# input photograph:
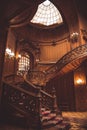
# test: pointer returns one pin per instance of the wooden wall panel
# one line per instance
(54, 53)
(81, 90)
(9, 63)
(65, 91)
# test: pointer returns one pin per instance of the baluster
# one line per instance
(38, 108)
(55, 107)
(38, 103)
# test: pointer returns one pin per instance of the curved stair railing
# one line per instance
(73, 55)
(27, 99)
(42, 77)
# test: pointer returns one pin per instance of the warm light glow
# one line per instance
(74, 37)
(79, 81)
(19, 56)
(75, 34)
(9, 53)
(47, 14)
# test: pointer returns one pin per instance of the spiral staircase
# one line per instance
(25, 103)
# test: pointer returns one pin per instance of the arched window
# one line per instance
(47, 14)
(23, 64)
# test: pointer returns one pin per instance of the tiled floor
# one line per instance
(78, 121)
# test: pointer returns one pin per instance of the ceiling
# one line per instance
(18, 14)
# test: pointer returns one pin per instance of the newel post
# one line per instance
(55, 107)
(38, 108)
(39, 101)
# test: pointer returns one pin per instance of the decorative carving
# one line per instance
(46, 100)
(74, 54)
(37, 77)
(19, 99)
(28, 102)
(84, 33)
(15, 94)
(74, 37)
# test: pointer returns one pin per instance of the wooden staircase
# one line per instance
(51, 119)
(28, 105)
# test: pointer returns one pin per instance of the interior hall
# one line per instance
(43, 65)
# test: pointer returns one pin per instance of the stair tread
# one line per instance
(43, 109)
(46, 112)
(51, 122)
(52, 114)
(57, 118)
(63, 125)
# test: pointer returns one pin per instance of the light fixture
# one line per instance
(9, 53)
(79, 81)
(74, 37)
(19, 56)
(79, 78)
(84, 33)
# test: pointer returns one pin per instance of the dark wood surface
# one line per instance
(78, 121)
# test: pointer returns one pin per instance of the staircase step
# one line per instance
(46, 118)
(52, 114)
(43, 109)
(46, 112)
(58, 118)
(51, 123)
(64, 125)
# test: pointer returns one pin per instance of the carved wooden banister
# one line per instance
(47, 94)
(26, 78)
(15, 95)
(13, 78)
(26, 101)
(37, 77)
(20, 81)
(22, 101)
(46, 100)
(19, 97)
(75, 54)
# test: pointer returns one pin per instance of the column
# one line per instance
(3, 39)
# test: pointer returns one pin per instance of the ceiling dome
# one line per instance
(47, 14)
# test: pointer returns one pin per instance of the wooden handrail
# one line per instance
(78, 52)
(47, 94)
(43, 98)
(20, 89)
(25, 78)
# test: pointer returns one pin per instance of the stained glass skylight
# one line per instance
(47, 14)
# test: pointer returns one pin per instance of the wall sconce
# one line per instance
(79, 79)
(74, 37)
(19, 56)
(9, 53)
(84, 33)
